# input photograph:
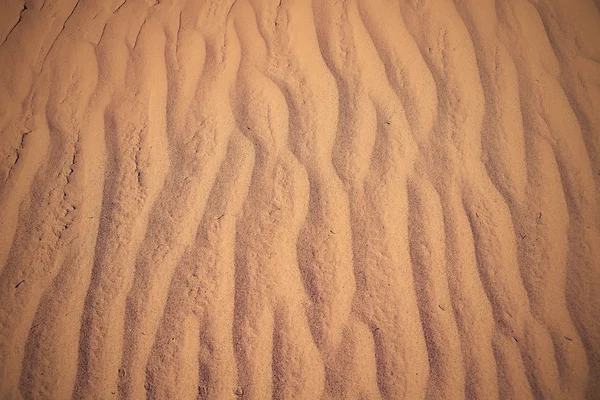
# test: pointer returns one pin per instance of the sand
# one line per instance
(288, 199)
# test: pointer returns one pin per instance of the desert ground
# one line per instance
(296, 199)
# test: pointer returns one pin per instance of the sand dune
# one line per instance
(293, 199)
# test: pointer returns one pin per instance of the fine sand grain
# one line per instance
(296, 199)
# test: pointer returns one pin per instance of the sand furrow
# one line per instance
(497, 258)
(195, 160)
(453, 124)
(575, 55)
(196, 327)
(130, 125)
(57, 201)
(58, 317)
(569, 158)
(406, 70)
(386, 185)
(24, 138)
(427, 247)
(266, 255)
(318, 199)
(324, 248)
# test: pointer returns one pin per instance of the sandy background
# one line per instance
(289, 199)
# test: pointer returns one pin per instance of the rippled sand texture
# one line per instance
(260, 199)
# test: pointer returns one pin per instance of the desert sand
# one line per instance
(298, 199)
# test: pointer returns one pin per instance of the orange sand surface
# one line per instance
(300, 199)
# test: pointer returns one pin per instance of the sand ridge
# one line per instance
(300, 199)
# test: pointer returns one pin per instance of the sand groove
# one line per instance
(300, 199)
